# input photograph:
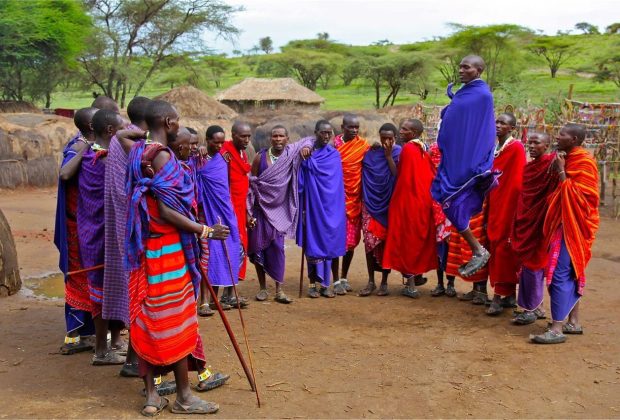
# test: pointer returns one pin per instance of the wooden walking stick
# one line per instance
(229, 330)
(85, 270)
(245, 335)
(303, 245)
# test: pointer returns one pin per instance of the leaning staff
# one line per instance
(245, 335)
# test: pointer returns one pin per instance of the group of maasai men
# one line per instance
(148, 219)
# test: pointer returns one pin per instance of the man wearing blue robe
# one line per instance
(467, 141)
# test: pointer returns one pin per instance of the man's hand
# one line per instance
(220, 232)
(388, 146)
(560, 161)
(227, 157)
(202, 151)
(251, 221)
(305, 152)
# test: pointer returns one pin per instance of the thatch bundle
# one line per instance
(193, 103)
(266, 90)
(18, 106)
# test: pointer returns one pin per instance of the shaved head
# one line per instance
(415, 125)
(104, 102)
(83, 118)
(475, 61)
(239, 126)
(349, 118)
(577, 130)
(543, 137)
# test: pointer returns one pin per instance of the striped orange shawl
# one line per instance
(574, 206)
(351, 154)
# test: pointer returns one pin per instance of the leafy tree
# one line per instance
(351, 70)
(392, 72)
(39, 41)
(217, 65)
(308, 67)
(587, 28)
(266, 45)
(153, 29)
(609, 67)
(614, 28)
(449, 69)
(496, 44)
(554, 50)
(324, 36)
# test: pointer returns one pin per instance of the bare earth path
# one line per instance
(347, 357)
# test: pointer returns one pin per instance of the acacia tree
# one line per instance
(266, 44)
(308, 67)
(39, 41)
(150, 29)
(391, 71)
(494, 43)
(554, 50)
(609, 68)
(587, 28)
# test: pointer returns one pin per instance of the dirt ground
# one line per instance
(347, 357)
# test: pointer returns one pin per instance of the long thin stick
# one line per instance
(229, 330)
(85, 270)
(303, 245)
(245, 335)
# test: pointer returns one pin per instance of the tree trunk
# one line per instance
(10, 281)
(124, 94)
(48, 99)
(554, 70)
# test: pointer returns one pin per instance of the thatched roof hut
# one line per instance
(194, 103)
(269, 93)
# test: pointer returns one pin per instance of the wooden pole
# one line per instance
(245, 335)
(229, 330)
(85, 270)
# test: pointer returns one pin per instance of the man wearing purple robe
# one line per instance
(321, 230)
(273, 202)
(115, 278)
(215, 207)
(467, 140)
(91, 232)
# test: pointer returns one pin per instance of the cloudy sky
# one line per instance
(401, 21)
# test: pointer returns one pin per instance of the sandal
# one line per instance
(110, 358)
(225, 306)
(419, 280)
(214, 381)
(339, 288)
(450, 291)
(367, 291)
(570, 328)
(74, 345)
(197, 407)
(495, 309)
(346, 285)
(327, 292)
(480, 298)
(205, 310)
(313, 291)
(163, 403)
(469, 296)
(383, 290)
(410, 292)
(129, 370)
(282, 298)
(121, 350)
(475, 264)
(525, 318)
(438, 291)
(540, 313)
(232, 301)
(549, 337)
(509, 302)
(262, 295)
(163, 388)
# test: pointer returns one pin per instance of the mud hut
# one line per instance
(274, 94)
(10, 282)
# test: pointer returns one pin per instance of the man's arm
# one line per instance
(127, 138)
(69, 170)
(255, 165)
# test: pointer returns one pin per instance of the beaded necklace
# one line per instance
(272, 157)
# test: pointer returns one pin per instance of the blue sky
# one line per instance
(401, 21)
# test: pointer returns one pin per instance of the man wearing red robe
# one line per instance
(504, 264)
(570, 227)
(352, 149)
(526, 238)
(410, 245)
(234, 152)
